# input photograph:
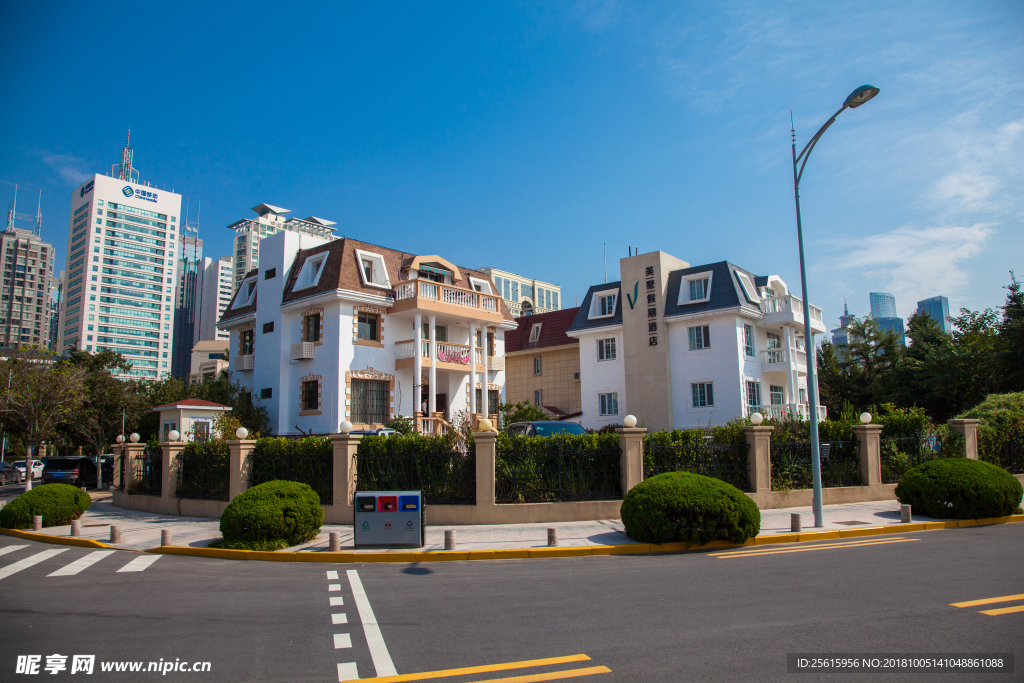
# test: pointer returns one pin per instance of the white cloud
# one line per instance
(915, 263)
(68, 167)
(597, 15)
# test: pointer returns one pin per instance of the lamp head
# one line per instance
(756, 419)
(345, 427)
(860, 96)
(630, 421)
(174, 435)
(241, 432)
(134, 437)
(119, 439)
(865, 418)
(484, 425)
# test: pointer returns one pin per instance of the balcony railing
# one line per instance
(788, 304)
(433, 291)
(244, 362)
(446, 351)
(788, 411)
(773, 357)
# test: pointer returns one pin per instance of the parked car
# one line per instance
(37, 468)
(10, 474)
(381, 431)
(76, 470)
(544, 428)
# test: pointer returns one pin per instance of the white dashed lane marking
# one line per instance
(336, 602)
(140, 563)
(29, 562)
(342, 640)
(82, 563)
(374, 639)
(339, 618)
(334, 586)
(332, 576)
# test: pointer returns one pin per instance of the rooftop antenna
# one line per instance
(13, 216)
(125, 170)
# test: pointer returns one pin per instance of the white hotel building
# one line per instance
(121, 270)
(326, 331)
(680, 346)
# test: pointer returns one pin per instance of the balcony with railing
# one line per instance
(780, 310)
(787, 411)
(439, 298)
(774, 360)
(450, 355)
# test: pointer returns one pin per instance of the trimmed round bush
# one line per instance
(958, 488)
(57, 503)
(276, 514)
(681, 506)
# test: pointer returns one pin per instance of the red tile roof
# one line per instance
(554, 326)
(194, 402)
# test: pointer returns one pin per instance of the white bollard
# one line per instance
(449, 539)
(794, 522)
(76, 527)
(115, 534)
(905, 516)
(335, 542)
(37, 523)
(165, 537)
(552, 538)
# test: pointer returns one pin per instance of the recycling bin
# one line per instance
(389, 519)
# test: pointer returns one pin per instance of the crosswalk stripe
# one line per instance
(140, 563)
(987, 601)
(29, 561)
(82, 563)
(11, 549)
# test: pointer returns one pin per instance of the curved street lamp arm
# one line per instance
(810, 145)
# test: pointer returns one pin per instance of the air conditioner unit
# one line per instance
(576, 376)
(244, 362)
(302, 350)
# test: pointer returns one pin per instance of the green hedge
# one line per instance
(958, 488)
(1001, 419)
(271, 516)
(680, 506)
(57, 503)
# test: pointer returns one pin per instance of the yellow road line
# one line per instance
(477, 669)
(775, 549)
(805, 550)
(987, 601)
(550, 676)
(1002, 610)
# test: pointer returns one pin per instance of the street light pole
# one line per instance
(856, 98)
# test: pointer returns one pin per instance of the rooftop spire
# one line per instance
(125, 169)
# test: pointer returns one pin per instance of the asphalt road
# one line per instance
(684, 617)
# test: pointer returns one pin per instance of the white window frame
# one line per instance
(707, 403)
(306, 279)
(479, 285)
(753, 341)
(250, 294)
(684, 288)
(538, 366)
(692, 337)
(379, 269)
(602, 404)
(595, 307)
(748, 287)
(602, 348)
(535, 333)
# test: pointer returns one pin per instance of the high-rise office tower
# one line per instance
(122, 245)
(883, 305)
(186, 299)
(27, 275)
(270, 219)
(938, 308)
(840, 337)
(215, 295)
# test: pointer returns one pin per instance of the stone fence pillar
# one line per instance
(171, 466)
(486, 450)
(240, 466)
(631, 441)
(969, 428)
(130, 451)
(869, 451)
(759, 458)
(343, 499)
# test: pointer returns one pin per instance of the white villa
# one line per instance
(327, 330)
(681, 346)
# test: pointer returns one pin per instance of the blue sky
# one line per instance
(525, 136)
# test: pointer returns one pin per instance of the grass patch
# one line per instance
(266, 545)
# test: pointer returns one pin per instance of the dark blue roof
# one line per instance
(726, 291)
(582, 323)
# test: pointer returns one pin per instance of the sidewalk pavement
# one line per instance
(141, 530)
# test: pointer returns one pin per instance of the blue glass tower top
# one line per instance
(883, 305)
(938, 308)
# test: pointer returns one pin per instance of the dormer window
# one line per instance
(372, 271)
(535, 333)
(480, 285)
(748, 287)
(695, 288)
(250, 290)
(311, 271)
(602, 305)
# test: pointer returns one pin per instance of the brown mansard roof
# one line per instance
(232, 312)
(554, 326)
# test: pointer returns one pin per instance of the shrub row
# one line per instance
(57, 503)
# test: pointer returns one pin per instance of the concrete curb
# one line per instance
(350, 556)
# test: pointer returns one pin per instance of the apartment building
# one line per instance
(332, 330)
(25, 309)
(542, 364)
(525, 296)
(680, 346)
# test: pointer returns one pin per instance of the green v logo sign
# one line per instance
(636, 290)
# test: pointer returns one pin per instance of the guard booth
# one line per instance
(390, 519)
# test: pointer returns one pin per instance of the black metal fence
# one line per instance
(727, 462)
(900, 453)
(791, 464)
(203, 471)
(307, 463)
(1009, 456)
(147, 473)
(555, 472)
(446, 477)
